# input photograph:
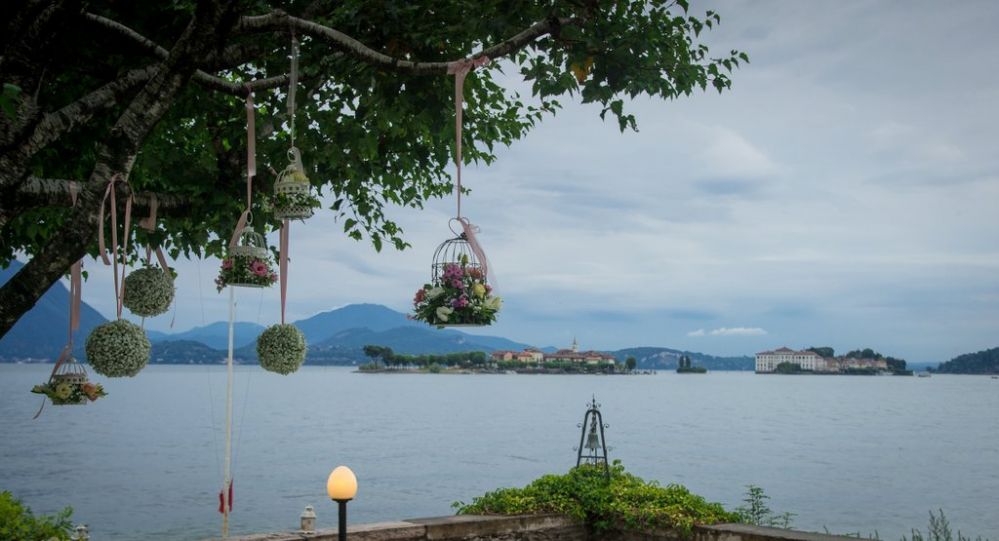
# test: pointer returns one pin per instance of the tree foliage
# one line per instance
(18, 523)
(981, 362)
(153, 92)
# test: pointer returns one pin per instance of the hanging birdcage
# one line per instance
(248, 264)
(251, 244)
(458, 294)
(455, 252)
(70, 386)
(293, 199)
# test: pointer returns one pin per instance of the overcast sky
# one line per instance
(845, 192)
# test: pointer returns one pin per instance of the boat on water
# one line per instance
(923, 375)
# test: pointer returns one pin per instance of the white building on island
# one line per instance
(767, 361)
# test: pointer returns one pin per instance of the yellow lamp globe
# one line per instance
(342, 484)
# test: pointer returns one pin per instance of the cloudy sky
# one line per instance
(844, 193)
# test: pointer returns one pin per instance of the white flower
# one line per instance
(435, 292)
(494, 303)
(443, 312)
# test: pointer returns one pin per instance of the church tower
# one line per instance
(575, 345)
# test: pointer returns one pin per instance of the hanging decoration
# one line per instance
(458, 294)
(281, 348)
(149, 291)
(68, 383)
(248, 263)
(293, 198)
(117, 348)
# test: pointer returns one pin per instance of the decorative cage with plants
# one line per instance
(293, 198)
(459, 294)
(118, 349)
(248, 263)
(148, 291)
(281, 348)
(69, 385)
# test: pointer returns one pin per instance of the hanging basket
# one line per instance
(117, 349)
(69, 386)
(148, 291)
(458, 294)
(293, 199)
(281, 348)
(248, 264)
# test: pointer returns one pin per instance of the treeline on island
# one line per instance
(894, 365)
(384, 359)
(981, 362)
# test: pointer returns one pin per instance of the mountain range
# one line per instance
(334, 337)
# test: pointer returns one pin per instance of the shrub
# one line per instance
(626, 502)
(17, 523)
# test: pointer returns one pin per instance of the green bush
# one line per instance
(626, 502)
(17, 523)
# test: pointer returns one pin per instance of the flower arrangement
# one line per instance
(460, 296)
(281, 348)
(245, 271)
(63, 393)
(118, 348)
(148, 291)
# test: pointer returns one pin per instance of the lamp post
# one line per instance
(342, 487)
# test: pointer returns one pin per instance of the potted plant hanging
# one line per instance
(281, 348)
(117, 349)
(69, 386)
(248, 263)
(293, 198)
(458, 295)
(148, 291)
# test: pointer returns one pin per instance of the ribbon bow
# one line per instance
(109, 193)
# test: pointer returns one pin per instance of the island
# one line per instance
(823, 361)
(685, 367)
(528, 361)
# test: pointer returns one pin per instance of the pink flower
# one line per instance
(226, 264)
(259, 268)
(420, 295)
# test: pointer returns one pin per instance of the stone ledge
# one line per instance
(748, 532)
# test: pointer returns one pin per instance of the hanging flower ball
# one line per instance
(148, 291)
(117, 349)
(281, 348)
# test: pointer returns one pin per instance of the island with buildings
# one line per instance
(822, 360)
(528, 361)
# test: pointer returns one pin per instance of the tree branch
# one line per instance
(204, 79)
(58, 192)
(279, 20)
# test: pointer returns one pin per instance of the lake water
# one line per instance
(850, 454)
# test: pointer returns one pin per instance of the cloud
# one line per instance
(729, 331)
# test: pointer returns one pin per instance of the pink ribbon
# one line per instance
(251, 170)
(109, 192)
(460, 69)
(473, 242)
(283, 265)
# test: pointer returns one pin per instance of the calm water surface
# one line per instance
(851, 454)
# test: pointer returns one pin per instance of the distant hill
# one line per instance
(42, 332)
(374, 317)
(214, 335)
(657, 358)
(982, 362)
(185, 352)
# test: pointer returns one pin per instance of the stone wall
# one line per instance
(532, 528)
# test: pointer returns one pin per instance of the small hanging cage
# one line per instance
(73, 374)
(292, 190)
(455, 251)
(251, 244)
